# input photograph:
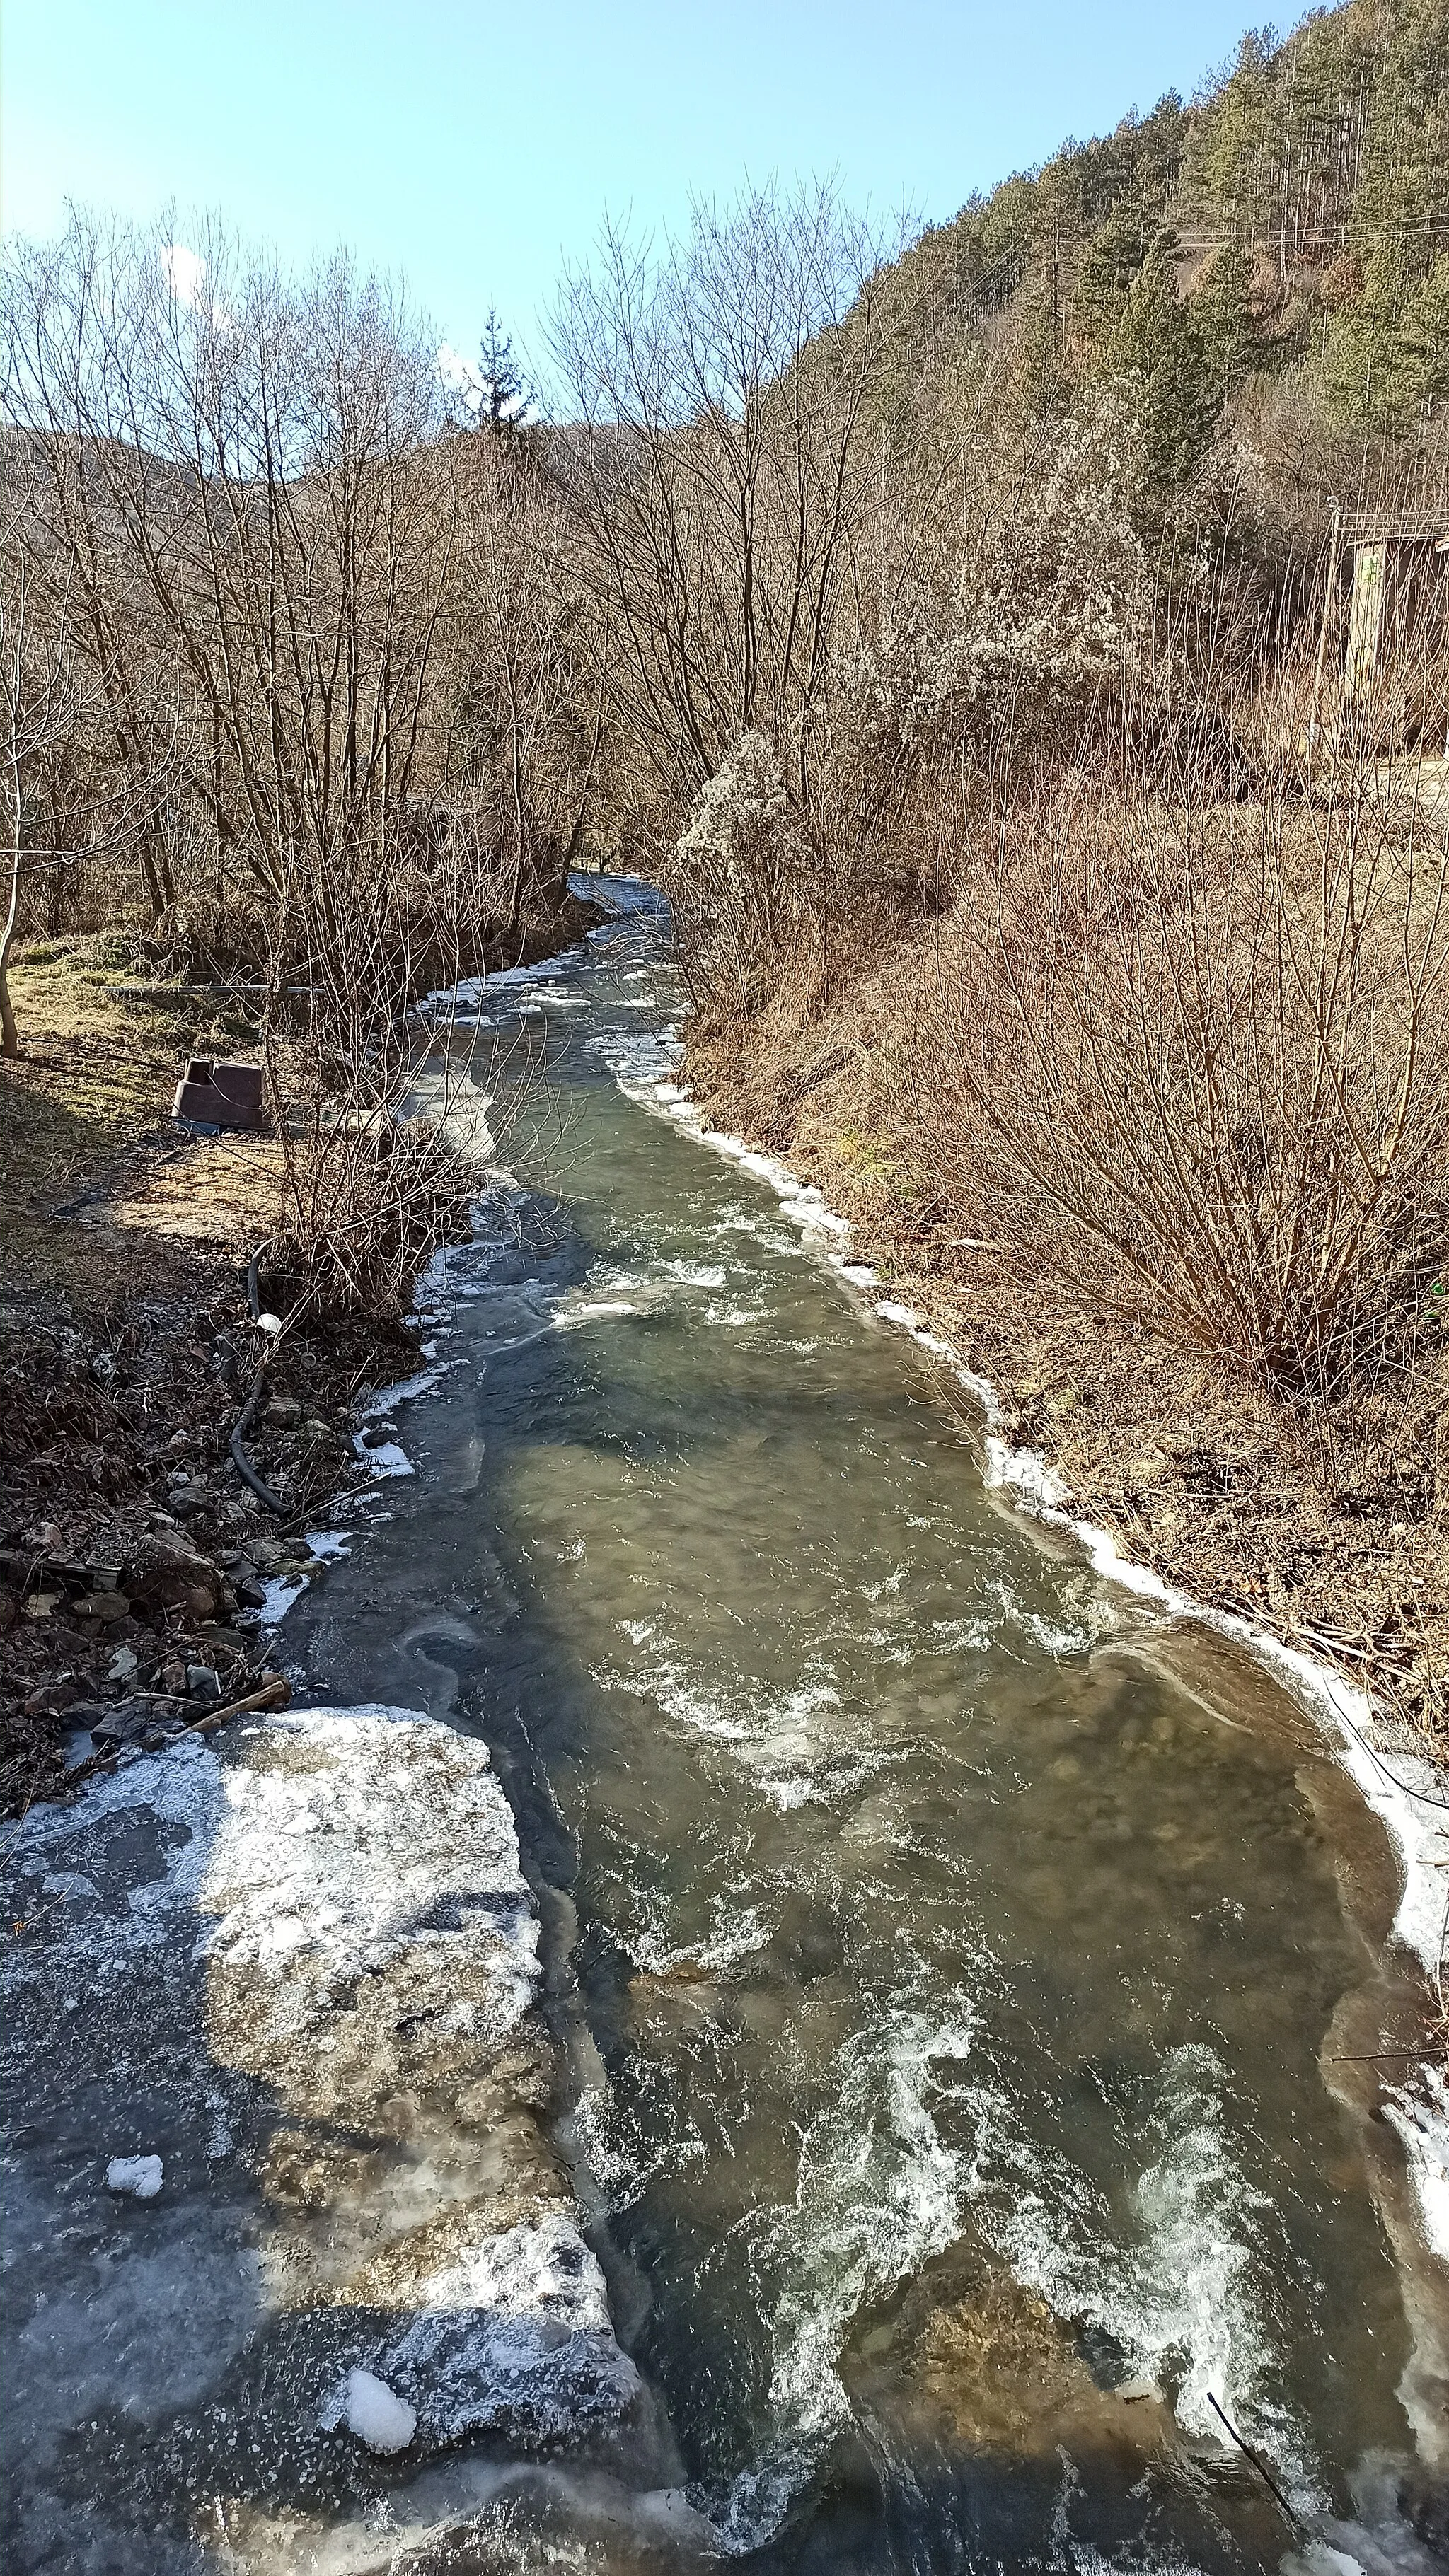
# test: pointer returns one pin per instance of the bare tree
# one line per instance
(243, 486)
(527, 711)
(724, 452)
(38, 706)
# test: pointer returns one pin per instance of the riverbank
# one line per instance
(1316, 1531)
(932, 1971)
(134, 1558)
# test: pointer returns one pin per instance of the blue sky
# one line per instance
(471, 147)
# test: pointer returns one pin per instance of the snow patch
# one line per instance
(344, 1891)
(384, 1459)
(367, 1839)
(471, 990)
(279, 1592)
(328, 1544)
(138, 2175)
(368, 2407)
(406, 1390)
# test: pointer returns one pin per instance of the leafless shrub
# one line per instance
(1197, 1068)
(319, 689)
(325, 625)
(38, 691)
(374, 1175)
(723, 462)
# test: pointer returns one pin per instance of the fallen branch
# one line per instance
(1249, 2454)
(273, 1694)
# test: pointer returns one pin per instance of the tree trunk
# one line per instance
(9, 1037)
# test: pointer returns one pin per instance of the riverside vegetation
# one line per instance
(962, 629)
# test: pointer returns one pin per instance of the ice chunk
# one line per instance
(370, 2410)
(139, 2175)
(328, 1543)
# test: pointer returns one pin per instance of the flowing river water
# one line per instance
(946, 1958)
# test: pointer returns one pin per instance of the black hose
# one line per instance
(254, 1268)
(242, 1462)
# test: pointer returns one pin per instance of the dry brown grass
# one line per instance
(85, 1127)
(125, 1340)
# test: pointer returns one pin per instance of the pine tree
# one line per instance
(1233, 156)
(1223, 315)
(1157, 349)
(1110, 263)
(1424, 339)
(505, 396)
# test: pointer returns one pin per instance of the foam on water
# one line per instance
(879, 2193)
(1178, 2289)
(792, 1743)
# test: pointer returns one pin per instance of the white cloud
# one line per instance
(460, 375)
(185, 274)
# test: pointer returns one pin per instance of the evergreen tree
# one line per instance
(505, 396)
(1233, 155)
(1157, 349)
(1110, 264)
(1042, 299)
(1424, 339)
(1223, 316)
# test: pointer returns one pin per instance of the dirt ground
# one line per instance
(133, 1558)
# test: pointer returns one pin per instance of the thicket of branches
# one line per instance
(317, 629)
(288, 669)
(892, 632)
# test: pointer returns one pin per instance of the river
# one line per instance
(945, 1956)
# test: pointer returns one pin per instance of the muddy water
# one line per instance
(943, 1961)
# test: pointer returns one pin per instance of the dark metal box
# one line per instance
(222, 1095)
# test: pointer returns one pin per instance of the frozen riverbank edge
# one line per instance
(1402, 1788)
(291, 1980)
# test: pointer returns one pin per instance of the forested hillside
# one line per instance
(1286, 230)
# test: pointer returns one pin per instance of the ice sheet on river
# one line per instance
(301, 1971)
